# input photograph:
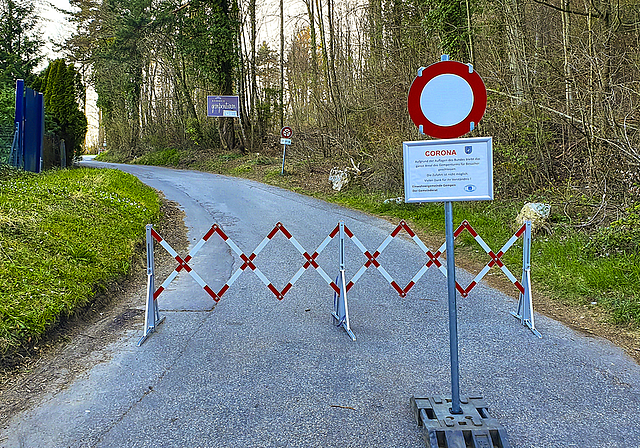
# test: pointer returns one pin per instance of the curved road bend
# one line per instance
(257, 372)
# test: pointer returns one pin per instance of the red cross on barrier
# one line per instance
(183, 264)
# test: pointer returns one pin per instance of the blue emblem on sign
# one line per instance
(468, 149)
(469, 188)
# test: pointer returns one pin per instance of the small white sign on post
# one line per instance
(448, 170)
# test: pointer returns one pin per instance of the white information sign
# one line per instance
(285, 141)
(459, 169)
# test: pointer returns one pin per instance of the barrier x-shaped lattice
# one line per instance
(152, 318)
(434, 258)
(248, 261)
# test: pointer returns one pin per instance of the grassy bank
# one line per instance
(64, 235)
(595, 269)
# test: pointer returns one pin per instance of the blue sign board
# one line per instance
(29, 125)
(223, 106)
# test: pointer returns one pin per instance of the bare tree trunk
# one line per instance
(281, 63)
(566, 47)
(375, 32)
(335, 85)
(606, 61)
(314, 45)
(326, 59)
(591, 51)
(472, 53)
(516, 46)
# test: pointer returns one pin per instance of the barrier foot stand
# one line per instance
(525, 304)
(473, 428)
(525, 307)
(152, 314)
(152, 318)
(341, 308)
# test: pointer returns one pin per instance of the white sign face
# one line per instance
(285, 141)
(459, 169)
(446, 90)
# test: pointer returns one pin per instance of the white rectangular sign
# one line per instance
(458, 169)
(285, 141)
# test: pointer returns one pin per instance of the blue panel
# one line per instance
(19, 100)
(19, 121)
(33, 131)
(40, 108)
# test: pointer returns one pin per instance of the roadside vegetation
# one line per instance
(64, 236)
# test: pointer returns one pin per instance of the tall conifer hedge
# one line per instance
(63, 91)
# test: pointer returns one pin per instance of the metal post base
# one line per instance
(345, 326)
(527, 323)
(474, 428)
(150, 330)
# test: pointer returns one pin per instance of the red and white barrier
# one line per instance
(525, 307)
(248, 260)
(372, 259)
(496, 258)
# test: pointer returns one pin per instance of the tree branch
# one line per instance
(557, 112)
(558, 8)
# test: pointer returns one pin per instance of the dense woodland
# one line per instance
(562, 77)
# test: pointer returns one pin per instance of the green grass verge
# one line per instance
(167, 157)
(64, 235)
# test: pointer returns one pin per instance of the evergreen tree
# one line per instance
(63, 91)
(19, 44)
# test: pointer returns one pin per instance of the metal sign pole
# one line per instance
(284, 152)
(453, 312)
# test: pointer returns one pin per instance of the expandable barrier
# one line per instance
(340, 286)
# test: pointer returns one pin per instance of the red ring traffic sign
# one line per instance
(448, 112)
(286, 132)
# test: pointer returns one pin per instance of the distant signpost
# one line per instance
(285, 139)
(286, 132)
(223, 106)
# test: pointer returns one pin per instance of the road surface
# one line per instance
(257, 372)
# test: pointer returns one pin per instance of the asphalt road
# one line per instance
(258, 372)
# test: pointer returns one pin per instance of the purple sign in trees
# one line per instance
(223, 106)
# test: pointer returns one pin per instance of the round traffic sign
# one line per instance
(286, 132)
(447, 99)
